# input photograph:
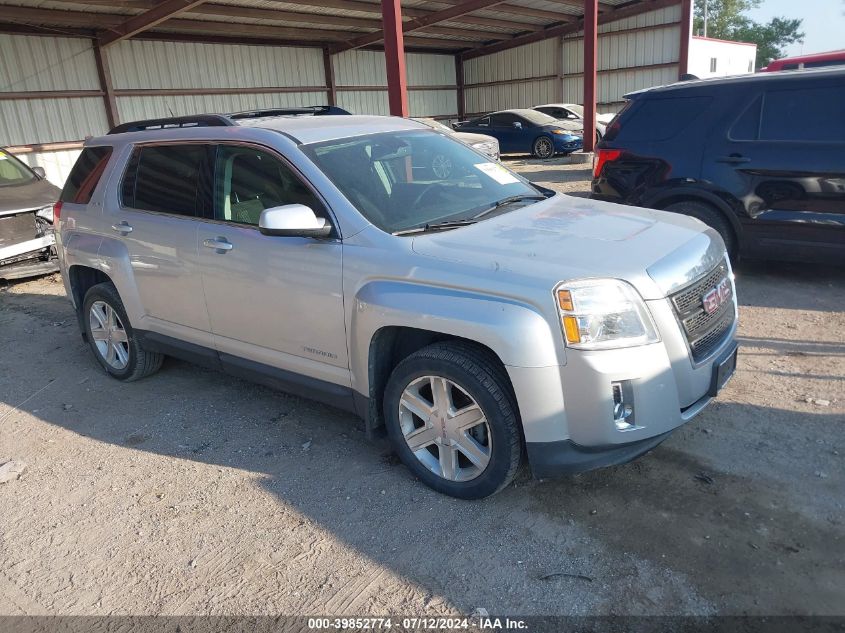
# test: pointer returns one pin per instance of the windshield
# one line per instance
(437, 125)
(12, 171)
(577, 109)
(536, 117)
(409, 179)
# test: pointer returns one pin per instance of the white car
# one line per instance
(573, 114)
(481, 142)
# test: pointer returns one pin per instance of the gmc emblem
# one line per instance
(716, 297)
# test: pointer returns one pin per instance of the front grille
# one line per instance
(704, 332)
(15, 229)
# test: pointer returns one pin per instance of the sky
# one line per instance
(823, 26)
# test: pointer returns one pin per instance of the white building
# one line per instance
(709, 57)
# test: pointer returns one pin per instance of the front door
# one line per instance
(275, 303)
(783, 159)
(164, 190)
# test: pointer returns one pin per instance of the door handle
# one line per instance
(733, 159)
(221, 245)
(123, 228)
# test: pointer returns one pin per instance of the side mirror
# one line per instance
(293, 220)
(39, 171)
(517, 125)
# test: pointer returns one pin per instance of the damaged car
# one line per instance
(27, 244)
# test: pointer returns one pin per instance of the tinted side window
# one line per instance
(661, 119)
(808, 114)
(747, 126)
(503, 120)
(85, 175)
(168, 179)
(249, 180)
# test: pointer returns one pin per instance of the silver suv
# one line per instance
(478, 318)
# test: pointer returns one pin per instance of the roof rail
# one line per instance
(321, 110)
(198, 120)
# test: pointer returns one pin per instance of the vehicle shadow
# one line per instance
(778, 284)
(714, 521)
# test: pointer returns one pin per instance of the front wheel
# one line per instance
(452, 420)
(543, 147)
(112, 338)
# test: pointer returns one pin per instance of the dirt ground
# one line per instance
(191, 492)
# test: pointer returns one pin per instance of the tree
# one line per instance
(726, 20)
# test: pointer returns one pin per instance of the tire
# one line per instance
(115, 347)
(481, 417)
(543, 147)
(712, 217)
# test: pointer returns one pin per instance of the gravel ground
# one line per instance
(191, 492)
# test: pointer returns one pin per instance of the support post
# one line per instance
(104, 74)
(459, 82)
(559, 69)
(591, 14)
(394, 53)
(686, 35)
(331, 86)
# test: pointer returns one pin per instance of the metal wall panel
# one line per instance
(153, 64)
(631, 60)
(134, 108)
(367, 68)
(513, 95)
(46, 63)
(531, 60)
(24, 122)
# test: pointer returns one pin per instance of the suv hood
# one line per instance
(26, 197)
(566, 237)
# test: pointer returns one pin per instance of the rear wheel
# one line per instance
(451, 418)
(543, 147)
(111, 337)
(712, 217)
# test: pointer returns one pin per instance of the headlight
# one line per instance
(564, 132)
(604, 314)
(46, 213)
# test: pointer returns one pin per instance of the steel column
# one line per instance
(331, 85)
(394, 54)
(104, 75)
(459, 82)
(686, 34)
(591, 16)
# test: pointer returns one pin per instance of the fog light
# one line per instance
(623, 408)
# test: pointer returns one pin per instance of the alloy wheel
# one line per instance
(109, 335)
(441, 166)
(543, 148)
(445, 428)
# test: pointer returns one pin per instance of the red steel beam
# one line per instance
(147, 20)
(104, 74)
(394, 55)
(591, 35)
(421, 22)
(686, 34)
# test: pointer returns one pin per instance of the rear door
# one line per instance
(274, 302)
(783, 159)
(165, 188)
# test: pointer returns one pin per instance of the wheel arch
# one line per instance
(391, 320)
(668, 197)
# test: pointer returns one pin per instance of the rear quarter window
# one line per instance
(661, 119)
(85, 175)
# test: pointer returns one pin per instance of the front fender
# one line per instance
(517, 333)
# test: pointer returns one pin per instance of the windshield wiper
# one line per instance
(437, 226)
(506, 201)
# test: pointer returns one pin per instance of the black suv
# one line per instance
(760, 158)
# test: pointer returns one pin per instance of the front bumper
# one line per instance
(568, 412)
(567, 145)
